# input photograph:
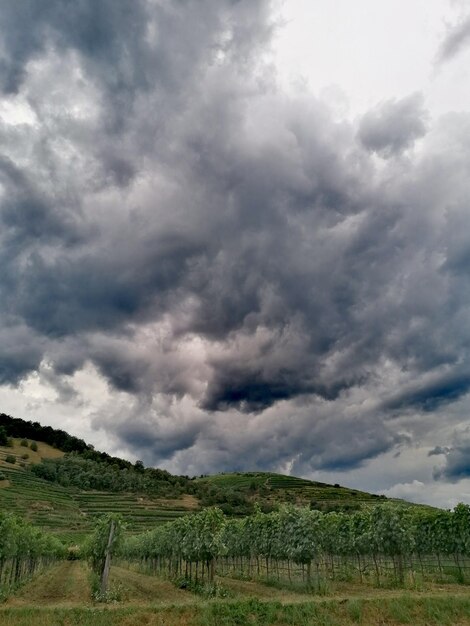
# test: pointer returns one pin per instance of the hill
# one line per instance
(62, 490)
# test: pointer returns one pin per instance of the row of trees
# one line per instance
(85, 472)
(386, 540)
(16, 427)
(24, 550)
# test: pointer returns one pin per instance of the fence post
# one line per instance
(107, 560)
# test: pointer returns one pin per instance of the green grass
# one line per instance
(387, 612)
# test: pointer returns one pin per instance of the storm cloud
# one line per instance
(255, 288)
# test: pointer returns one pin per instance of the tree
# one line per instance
(3, 436)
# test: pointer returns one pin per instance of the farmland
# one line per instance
(61, 596)
(306, 553)
(70, 513)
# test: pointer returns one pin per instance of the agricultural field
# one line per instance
(177, 560)
(61, 596)
(70, 513)
(280, 488)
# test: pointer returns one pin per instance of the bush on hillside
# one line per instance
(34, 446)
(11, 459)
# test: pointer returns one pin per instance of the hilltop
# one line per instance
(61, 484)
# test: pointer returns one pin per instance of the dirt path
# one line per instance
(66, 584)
(137, 588)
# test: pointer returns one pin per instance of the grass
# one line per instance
(451, 611)
(44, 451)
(61, 597)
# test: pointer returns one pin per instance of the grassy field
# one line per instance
(61, 596)
(44, 451)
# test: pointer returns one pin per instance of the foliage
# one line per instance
(23, 550)
(10, 458)
(19, 428)
(74, 470)
(3, 436)
(382, 537)
(96, 544)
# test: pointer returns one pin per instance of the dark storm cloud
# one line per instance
(437, 450)
(394, 125)
(217, 250)
(431, 395)
(456, 39)
(457, 459)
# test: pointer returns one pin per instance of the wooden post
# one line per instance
(107, 561)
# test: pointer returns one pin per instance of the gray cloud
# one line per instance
(457, 463)
(394, 126)
(219, 252)
(457, 37)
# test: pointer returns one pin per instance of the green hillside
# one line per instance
(70, 513)
(275, 488)
(64, 490)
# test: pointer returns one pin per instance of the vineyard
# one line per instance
(24, 551)
(208, 556)
(84, 529)
(384, 545)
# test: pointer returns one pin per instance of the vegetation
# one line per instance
(384, 544)
(99, 548)
(24, 550)
(86, 473)
(3, 436)
(71, 513)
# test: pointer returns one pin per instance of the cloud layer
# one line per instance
(259, 284)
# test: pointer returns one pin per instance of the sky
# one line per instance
(234, 235)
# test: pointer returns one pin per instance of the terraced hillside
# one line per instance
(280, 488)
(70, 513)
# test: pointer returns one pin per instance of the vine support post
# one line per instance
(107, 560)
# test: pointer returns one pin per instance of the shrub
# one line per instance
(24, 443)
(34, 446)
(25, 456)
(2, 476)
(10, 459)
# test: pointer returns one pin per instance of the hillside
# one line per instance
(63, 491)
